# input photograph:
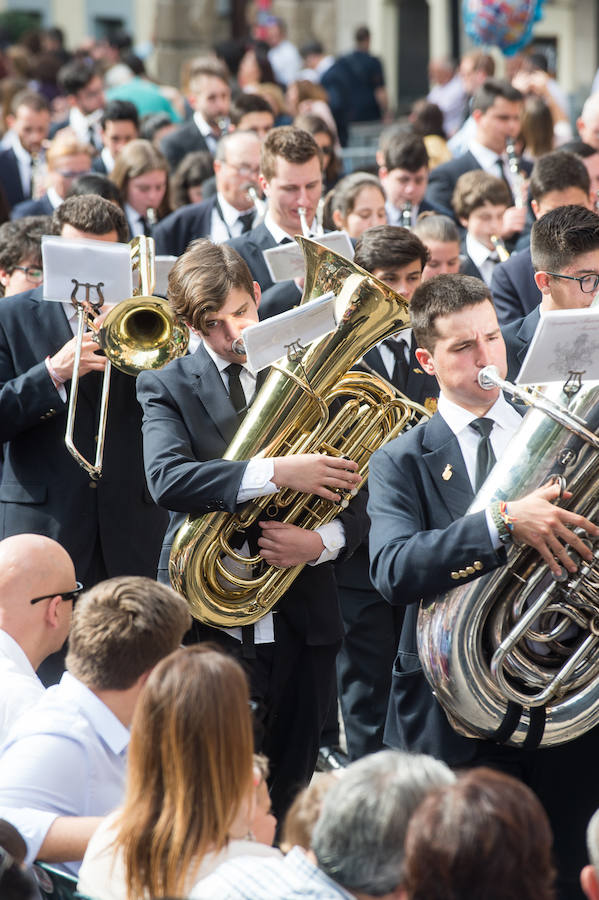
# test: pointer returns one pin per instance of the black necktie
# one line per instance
(401, 366)
(247, 220)
(236, 392)
(503, 175)
(146, 226)
(485, 457)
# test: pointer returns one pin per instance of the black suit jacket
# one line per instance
(185, 139)
(517, 336)
(419, 387)
(279, 298)
(41, 207)
(173, 233)
(443, 178)
(251, 247)
(467, 264)
(418, 536)
(10, 178)
(515, 293)
(43, 489)
(188, 423)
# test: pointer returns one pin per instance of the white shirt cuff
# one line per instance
(62, 391)
(493, 532)
(332, 536)
(257, 480)
(33, 824)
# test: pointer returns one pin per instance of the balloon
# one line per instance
(506, 24)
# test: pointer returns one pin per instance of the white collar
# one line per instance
(13, 650)
(222, 364)
(477, 252)
(203, 126)
(107, 159)
(230, 213)
(105, 723)
(24, 156)
(486, 157)
(277, 232)
(458, 418)
(54, 197)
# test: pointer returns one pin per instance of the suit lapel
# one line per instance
(445, 463)
(208, 386)
(374, 359)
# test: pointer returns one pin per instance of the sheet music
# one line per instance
(287, 260)
(566, 340)
(86, 261)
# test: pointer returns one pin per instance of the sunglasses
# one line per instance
(66, 595)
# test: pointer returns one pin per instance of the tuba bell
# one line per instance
(291, 415)
(514, 655)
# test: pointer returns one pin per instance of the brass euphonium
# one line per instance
(291, 415)
(514, 655)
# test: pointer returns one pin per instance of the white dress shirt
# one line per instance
(395, 214)
(506, 421)
(489, 161)
(484, 259)
(206, 132)
(24, 162)
(228, 225)
(66, 756)
(21, 687)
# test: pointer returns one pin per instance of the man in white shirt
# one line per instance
(67, 158)
(209, 96)
(63, 764)
(37, 590)
(21, 160)
(283, 56)
(422, 542)
(119, 125)
(84, 90)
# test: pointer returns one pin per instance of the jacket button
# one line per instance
(463, 573)
(93, 484)
(477, 565)
(455, 575)
(470, 570)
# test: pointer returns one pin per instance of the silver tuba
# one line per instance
(514, 655)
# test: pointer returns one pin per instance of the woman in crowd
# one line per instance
(440, 236)
(141, 174)
(190, 174)
(191, 786)
(357, 203)
(487, 836)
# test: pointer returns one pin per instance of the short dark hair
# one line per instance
(153, 122)
(580, 148)
(443, 295)
(557, 171)
(92, 214)
(21, 241)
(388, 246)
(201, 279)
(362, 34)
(290, 143)
(95, 183)
(407, 152)
(487, 835)
(561, 235)
(193, 170)
(490, 90)
(74, 76)
(31, 99)
(120, 111)
(121, 628)
(476, 188)
(247, 103)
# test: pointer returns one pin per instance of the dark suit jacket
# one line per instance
(41, 207)
(252, 246)
(185, 139)
(279, 298)
(173, 233)
(98, 165)
(515, 293)
(188, 423)
(517, 336)
(467, 264)
(43, 488)
(10, 178)
(419, 386)
(443, 178)
(418, 536)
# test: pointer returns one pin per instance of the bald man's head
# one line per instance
(32, 565)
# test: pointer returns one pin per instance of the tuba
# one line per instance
(514, 655)
(291, 415)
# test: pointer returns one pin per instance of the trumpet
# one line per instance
(304, 222)
(139, 333)
(502, 251)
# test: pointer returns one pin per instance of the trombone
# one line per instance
(139, 333)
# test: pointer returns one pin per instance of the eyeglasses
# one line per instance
(32, 273)
(66, 173)
(588, 283)
(245, 171)
(66, 595)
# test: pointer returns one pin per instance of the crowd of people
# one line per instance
(164, 756)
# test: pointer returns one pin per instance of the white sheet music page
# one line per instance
(67, 260)
(287, 260)
(270, 340)
(566, 340)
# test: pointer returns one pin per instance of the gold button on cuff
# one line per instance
(455, 575)
(477, 565)
(470, 570)
(463, 573)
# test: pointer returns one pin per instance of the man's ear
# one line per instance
(589, 882)
(425, 359)
(542, 282)
(263, 184)
(257, 293)
(383, 172)
(52, 616)
(4, 277)
(338, 219)
(535, 208)
(463, 222)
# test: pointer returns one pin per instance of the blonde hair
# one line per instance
(66, 143)
(304, 812)
(189, 770)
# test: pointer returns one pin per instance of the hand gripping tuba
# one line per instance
(514, 655)
(291, 415)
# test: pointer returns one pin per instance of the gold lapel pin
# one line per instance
(447, 472)
(418, 371)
